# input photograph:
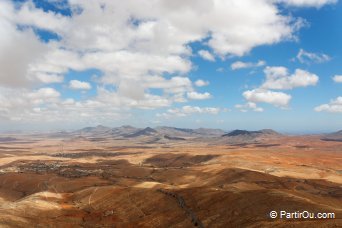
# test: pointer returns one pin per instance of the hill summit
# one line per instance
(251, 133)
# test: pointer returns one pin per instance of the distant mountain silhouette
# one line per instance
(241, 132)
(144, 132)
(209, 131)
(186, 132)
(94, 130)
(103, 131)
(163, 133)
(244, 136)
(7, 139)
(339, 133)
(251, 133)
(59, 134)
(123, 130)
(173, 138)
(336, 136)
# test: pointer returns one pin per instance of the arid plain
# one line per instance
(168, 177)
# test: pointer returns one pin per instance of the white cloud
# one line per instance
(231, 27)
(188, 110)
(201, 83)
(240, 65)
(46, 105)
(28, 14)
(175, 84)
(17, 104)
(278, 99)
(249, 106)
(307, 3)
(157, 43)
(337, 78)
(49, 78)
(130, 99)
(43, 95)
(18, 49)
(198, 96)
(135, 47)
(75, 84)
(206, 55)
(334, 106)
(196, 109)
(308, 57)
(279, 78)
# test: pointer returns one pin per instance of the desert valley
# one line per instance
(168, 177)
(170, 113)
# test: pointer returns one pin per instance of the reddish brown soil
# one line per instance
(127, 184)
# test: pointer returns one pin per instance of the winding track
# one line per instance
(181, 202)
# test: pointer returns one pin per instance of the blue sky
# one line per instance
(218, 64)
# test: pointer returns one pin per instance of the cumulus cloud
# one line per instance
(309, 57)
(188, 110)
(337, 78)
(198, 96)
(201, 83)
(49, 78)
(307, 3)
(44, 95)
(170, 26)
(196, 109)
(75, 84)
(18, 49)
(334, 106)
(135, 47)
(279, 78)
(206, 55)
(160, 31)
(29, 14)
(46, 104)
(240, 65)
(175, 85)
(130, 99)
(249, 106)
(18, 103)
(278, 99)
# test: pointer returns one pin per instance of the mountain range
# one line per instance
(164, 134)
(127, 131)
(336, 136)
